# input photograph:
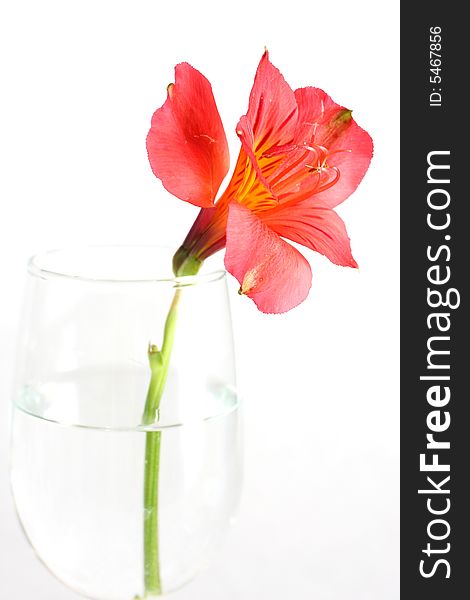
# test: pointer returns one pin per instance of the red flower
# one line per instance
(301, 155)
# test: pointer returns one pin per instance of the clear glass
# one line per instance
(78, 444)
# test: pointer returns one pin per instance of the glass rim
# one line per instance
(35, 269)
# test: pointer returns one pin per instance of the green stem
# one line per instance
(159, 364)
(152, 578)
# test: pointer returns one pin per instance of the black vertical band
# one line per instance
(435, 259)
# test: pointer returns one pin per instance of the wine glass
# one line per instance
(80, 468)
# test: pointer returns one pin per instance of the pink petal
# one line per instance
(272, 110)
(311, 106)
(270, 271)
(186, 144)
(350, 148)
(316, 227)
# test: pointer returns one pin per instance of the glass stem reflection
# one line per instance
(159, 363)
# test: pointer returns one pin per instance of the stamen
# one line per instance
(333, 181)
(284, 183)
(284, 172)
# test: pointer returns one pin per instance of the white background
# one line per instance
(80, 80)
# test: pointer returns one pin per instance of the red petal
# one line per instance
(272, 110)
(316, 227)
(186, 144)
(270, 271)
(350, 150)
(310, 102)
